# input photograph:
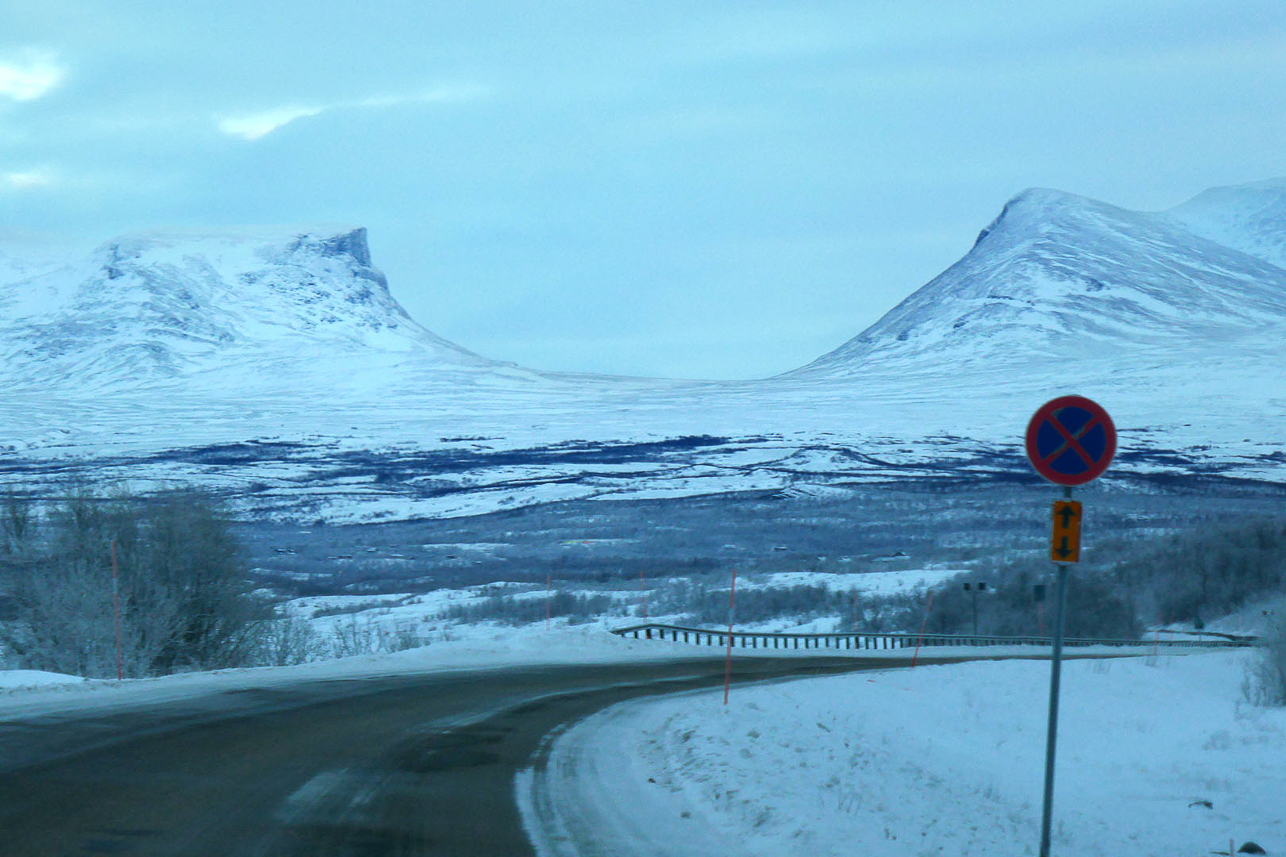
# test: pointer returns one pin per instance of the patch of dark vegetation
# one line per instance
(389, 467)
(1206, 571)
(245, 452)
(1009, 606)
(973, 523)
(504, 608)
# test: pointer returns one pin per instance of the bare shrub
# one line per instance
(406, 636)
(1265, 682)
(357, 636)
(288, 641)
(180, 585)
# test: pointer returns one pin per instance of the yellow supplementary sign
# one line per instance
(1066, 544)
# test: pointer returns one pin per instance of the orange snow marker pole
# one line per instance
(549, 579)
(924, 622)
(116, 608)
(642, 594)
(727, 669)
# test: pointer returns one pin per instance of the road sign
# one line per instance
(1071, 440)
(1066, 543)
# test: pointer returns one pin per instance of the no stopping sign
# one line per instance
(1071, 440)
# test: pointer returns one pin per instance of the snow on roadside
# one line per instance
(21, 679)
(480, 646)
(942, 760)
(487, 647)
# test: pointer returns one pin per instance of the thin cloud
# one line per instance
(252, 126)
(26, 179)
(30, 75)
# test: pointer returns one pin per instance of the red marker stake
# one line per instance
(116, 606)
(549, 579)
(923, 622)
(732, 605)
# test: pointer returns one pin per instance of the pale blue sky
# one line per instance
(697, 189)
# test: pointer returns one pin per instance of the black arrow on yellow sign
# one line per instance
(1066, 543)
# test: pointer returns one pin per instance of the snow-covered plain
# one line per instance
(939, 760)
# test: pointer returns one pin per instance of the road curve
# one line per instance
(401, 765)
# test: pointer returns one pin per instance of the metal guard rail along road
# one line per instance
(865, 640)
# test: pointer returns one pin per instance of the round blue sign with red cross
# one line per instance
(1071, 440)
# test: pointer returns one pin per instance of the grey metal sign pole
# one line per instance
(1051, 737)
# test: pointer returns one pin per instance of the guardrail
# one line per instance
(863, 640)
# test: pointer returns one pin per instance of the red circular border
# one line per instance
(1046, 411)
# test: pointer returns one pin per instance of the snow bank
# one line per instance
(944, 760)
(21, 679)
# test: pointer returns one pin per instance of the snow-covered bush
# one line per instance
(177, 578)
(288, 640)
(1266, 675)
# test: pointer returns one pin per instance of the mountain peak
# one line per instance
(167, 303)
(1057, 273)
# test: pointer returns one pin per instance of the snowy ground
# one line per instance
(942, 760)
(380, 621)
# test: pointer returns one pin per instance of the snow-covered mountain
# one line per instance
(157, 306)
(277, 366)
(1247, 217)
(1057, 275)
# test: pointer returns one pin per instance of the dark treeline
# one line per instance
(1205, 573)
(1181, 578)
(1009, 606)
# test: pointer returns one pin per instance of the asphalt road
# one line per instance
(390, 765)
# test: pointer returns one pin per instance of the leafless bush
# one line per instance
(1265, 682)
(406, 636)
(178, 582)
(288, 641)
(356, 636)
(365, 635)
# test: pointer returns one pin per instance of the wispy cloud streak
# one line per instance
(25, 179)
(254, 125)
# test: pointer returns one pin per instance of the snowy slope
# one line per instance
(1248, 218)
